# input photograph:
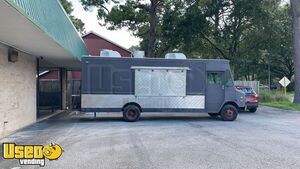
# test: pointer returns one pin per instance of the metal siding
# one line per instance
(123, 76)
(117, 101)
(214, 65)
(123, 85)
(153, 82)
(144, 110)
(50, 17)
(215, 94)
(107, 78)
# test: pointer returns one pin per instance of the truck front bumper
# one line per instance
(251, 105)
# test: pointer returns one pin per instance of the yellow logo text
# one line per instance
(31, 154)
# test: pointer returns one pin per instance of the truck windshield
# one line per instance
(229, 79)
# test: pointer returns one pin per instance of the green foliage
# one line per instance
(134, 48)
(277, 45)
(68, 6)
(140, 17)
(251, 34)
(283, 105)
(248, 33)
(273, 96)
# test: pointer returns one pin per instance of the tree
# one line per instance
(68, 6)
(216, 28)
(271, 42)
(279, 42)
(134, 48)
(249, 34)
(140, 17)
(295, 5)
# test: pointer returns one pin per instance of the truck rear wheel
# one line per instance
(131, 113)
(229, 113)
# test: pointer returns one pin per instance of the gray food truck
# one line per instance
(136, 85)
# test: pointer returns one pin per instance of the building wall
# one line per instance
(17, 92)
(95, 44)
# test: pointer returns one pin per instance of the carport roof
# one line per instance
(41, 28)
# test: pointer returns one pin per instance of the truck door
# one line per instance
(215, 91)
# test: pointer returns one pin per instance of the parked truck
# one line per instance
(137, 85)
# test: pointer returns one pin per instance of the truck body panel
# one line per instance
(156, 85)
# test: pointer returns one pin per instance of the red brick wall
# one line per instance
(95, 44)
(76, 75)
(54, 75)
(51, 75)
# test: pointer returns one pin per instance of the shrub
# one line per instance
(272, 96)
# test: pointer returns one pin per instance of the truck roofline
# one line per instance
(147, 58)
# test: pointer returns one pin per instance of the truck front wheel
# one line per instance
(131, 113)
(229, 113)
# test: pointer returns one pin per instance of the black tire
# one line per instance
(131, 113)
(213, 115)
(229, 113)
(253, 110)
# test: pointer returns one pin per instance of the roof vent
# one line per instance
(175, 56)
(139, 54)
(109, 53)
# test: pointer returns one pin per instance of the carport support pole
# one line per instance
(63, 85)
(37, 85)
(69, 90)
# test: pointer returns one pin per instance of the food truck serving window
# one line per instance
(160, 81)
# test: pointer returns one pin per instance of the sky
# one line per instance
(122, 37)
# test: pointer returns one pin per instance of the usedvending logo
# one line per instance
(31, 154)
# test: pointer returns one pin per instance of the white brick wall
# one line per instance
(17, 92)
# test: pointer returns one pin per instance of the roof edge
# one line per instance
(35, 23)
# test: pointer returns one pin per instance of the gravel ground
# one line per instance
(269, 138)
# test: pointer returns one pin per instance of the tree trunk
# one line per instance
(152, 31)
(295, 6)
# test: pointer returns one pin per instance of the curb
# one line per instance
(49, 116)
(37, 121)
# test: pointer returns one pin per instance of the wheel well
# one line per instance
(231, 103)
(132, 103)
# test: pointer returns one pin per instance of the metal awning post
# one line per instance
(37, 85)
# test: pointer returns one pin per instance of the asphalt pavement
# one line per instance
(269, 138)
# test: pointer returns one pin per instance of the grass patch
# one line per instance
(273, 96)
(286, 105)
(277, 99)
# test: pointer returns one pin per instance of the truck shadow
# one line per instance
(149, 118)
(245, 112)
(177, 118)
